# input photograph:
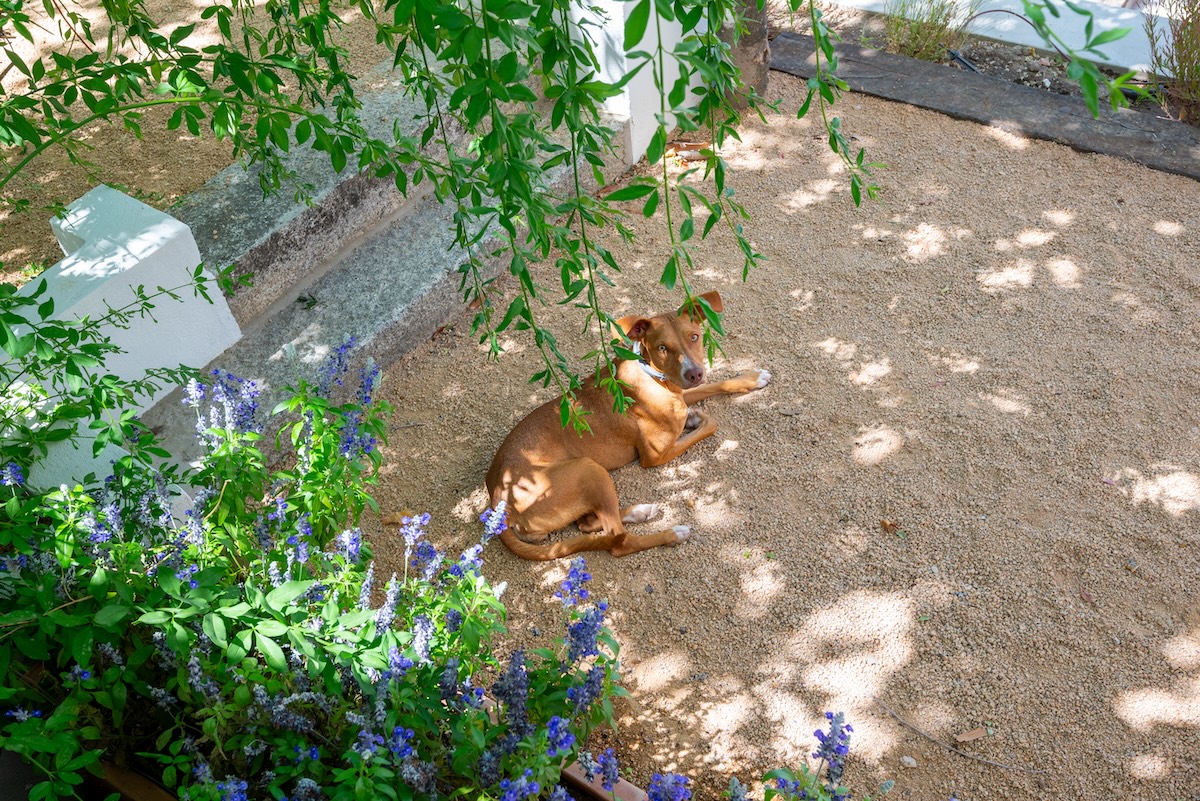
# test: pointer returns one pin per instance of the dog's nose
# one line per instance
(693, 375)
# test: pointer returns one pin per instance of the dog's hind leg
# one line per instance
(582, 490)
(638, 513)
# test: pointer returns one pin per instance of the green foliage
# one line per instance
(1175, 56)
(236, 649)
(926, 29)
(1079, 68)
(522, 80)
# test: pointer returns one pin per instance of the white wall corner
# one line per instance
(639, 104)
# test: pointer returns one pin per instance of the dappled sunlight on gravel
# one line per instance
(968, 500)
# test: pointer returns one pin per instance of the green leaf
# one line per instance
(285, 593)
(214, 627)
(669, 274)
(1109, 36)
(658, 144)
(632, 192)
(651, 204)
(635, 24)
(112, 614)
(155, 618)
(687, 228)
(273, 653)
(271, 628)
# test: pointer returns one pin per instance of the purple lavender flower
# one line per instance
(20, 714)
(834, 746)
(351, 443)
(427, 560)
(203, 773)
(487, 769)
(587, 693)
(412, 529)
(559, 736)
(494, 521)
(368, 382)
(398, 664)
(454, 619)
(200, 683)
(422, 632)
(512, 690)
(399, 744)
(448, 683)
(582, 635)
(280, 509)
(559, 793)
(368, 743)
(522, 788)
(12, 476)
(573, 592)
(98, 533)
(349, 545)
(469, 563)
(233, 404)
(364, 593)
(609, 770)
(421, 776)
(79, 674)
(587, 763)
(737, 791)
(668, 787)
(307, 790)
(333, 369)
(232, 789)
(110, 653)
(385, 616)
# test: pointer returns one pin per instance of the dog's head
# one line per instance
(673, 344)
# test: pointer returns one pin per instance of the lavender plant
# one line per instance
(232, 640)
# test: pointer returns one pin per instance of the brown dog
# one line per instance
(550, 477)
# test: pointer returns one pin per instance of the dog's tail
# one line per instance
(599, 541)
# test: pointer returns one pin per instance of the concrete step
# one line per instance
(368, 262)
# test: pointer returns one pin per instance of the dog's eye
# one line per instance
(695, 337)
(662, 348)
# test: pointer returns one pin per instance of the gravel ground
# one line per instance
(969, 499)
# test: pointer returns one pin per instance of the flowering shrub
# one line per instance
(833, 747)
(230, 638)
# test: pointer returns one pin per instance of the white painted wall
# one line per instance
(640, 103)
(1130, 53)
(113, 244)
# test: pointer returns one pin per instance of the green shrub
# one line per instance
(926, 29)
(238, 648)
(1177, 59)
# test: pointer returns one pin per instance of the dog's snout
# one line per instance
(693, 374)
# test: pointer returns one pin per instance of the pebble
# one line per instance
(908, 761)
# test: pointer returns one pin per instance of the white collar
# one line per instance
(645, 365)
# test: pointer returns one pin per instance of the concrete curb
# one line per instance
(1145, 138)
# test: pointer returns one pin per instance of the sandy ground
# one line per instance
(1002, 359)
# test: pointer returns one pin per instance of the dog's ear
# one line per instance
(693, 310)
(634, 327)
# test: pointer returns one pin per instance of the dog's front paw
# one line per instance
(694, 419)
(681, 533)
(764, 378)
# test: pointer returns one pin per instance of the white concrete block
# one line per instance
(113, 245)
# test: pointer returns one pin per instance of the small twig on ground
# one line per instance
(409, 425)
(949, 747)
